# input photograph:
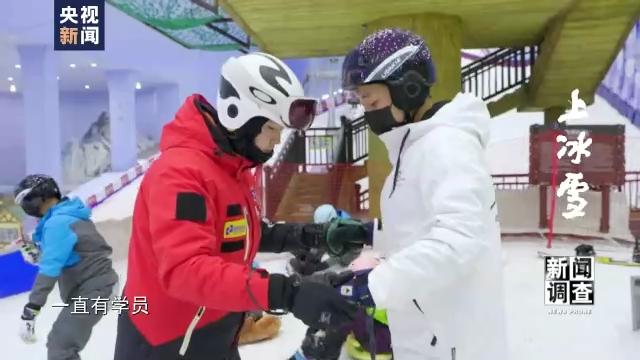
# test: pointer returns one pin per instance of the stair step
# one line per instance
(304, 192)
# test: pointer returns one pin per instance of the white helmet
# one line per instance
(324, 214)
(261, 85)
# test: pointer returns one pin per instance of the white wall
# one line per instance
(78, 110)
(12, 154)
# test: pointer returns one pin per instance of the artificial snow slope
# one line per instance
(533, 333)
(102, 343)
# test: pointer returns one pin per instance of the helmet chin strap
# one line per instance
(408, 117)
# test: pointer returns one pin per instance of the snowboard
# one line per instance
(611, 261)
(607, 260)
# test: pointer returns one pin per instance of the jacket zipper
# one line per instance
(397, 167)
(201, 309)
(190, 329)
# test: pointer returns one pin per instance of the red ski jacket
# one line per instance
(196, 229)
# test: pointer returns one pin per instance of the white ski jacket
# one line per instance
(441, 275)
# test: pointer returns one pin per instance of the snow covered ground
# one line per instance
(102, 343)
(534, 334)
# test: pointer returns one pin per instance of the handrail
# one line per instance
(505, 69)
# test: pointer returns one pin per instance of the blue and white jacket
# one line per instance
(72, 253)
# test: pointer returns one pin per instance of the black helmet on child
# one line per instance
(33, 191)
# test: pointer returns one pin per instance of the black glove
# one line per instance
(316, 304)
(331, 278)
(307, 262)
(324, 344)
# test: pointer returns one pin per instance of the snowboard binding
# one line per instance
(585, 250)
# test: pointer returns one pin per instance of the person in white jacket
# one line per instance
(440, 278)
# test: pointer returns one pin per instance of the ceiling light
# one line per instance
(10, 78)
(87, 87)
(325, 96)
(57, 77)
(138, 85)
(72, 65)
(12, 88)
(18, 66)
(94, 65)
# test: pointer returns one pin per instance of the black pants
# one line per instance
(216, 341)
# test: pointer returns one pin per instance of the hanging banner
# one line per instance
(621, 85)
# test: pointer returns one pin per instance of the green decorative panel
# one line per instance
(189, 23)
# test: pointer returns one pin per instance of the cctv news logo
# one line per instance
(79, 25)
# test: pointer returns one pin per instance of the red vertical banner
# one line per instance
(554, 186)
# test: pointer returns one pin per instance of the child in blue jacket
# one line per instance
(71, 253)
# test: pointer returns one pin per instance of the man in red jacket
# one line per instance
(196, 224)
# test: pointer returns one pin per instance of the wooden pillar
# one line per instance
(552, 114)
(543, 221)
(604, 217)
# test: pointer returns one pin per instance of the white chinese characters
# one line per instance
(90, 34)
(573, 185)
(578, 108)
(577, 148)
(78, 26)
(100, 306)
(89, 14)
(68, 14)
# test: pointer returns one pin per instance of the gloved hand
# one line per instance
(29, 251)
(342, 235)
(316, 304)
(307, 262)
(323, 344)
(357, 289)
(331, 278)
(28, 324)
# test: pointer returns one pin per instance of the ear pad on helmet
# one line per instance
(409, 91)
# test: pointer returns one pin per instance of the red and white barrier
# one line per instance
(125, 179)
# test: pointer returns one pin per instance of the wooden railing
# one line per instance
(632, 189)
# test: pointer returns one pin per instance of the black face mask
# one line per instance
(243, 141)
(256, 155)
(382, 120)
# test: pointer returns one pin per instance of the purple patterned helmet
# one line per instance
(398, 58)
